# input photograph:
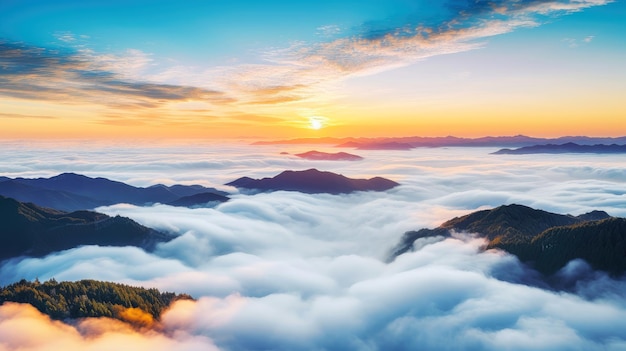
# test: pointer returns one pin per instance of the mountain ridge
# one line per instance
(31, 230)
(315, 155)
(565, 148)
(528, 234)
(197, 200)
(72, 191)
(313, 181)
(410, 142)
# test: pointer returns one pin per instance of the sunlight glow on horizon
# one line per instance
(316, 123)
(79, 75)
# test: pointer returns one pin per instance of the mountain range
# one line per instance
(406, 143)
(547, 241)
(30, 230)
(71, 192)
(565, 148)
(378, 145)
(312, 181)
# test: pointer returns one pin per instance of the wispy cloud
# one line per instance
(328, 30)
(401, 43)
(455, 26)
(66, 37)
(574, 43)
(74, 77)
(21, 116)
(303, 73)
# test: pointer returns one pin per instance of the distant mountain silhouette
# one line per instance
(61, 200)
(404, 143)
(351, 143)
(565, 148)
(546, 240)
(392, 145)
(325, 140)
(71, 192)
(198, 200)
(312, 181)
(378, 145)
(30, 230)
(188, 190)
(325, 156)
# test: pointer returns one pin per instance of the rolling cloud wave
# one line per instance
(290, 271)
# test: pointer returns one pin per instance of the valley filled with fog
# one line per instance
(293, 271)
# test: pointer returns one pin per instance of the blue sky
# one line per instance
(193, 29)
(343, 62)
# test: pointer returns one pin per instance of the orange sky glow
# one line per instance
(537, 71)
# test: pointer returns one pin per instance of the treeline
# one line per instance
(601, 243)
(546, 241)
(88, 298)
(30, 230)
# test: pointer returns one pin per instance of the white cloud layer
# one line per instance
(290, 271)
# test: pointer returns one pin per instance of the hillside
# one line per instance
(71, 192)
(90, 298)
(312, 181)
(545, 240)
(600, 243)
(37, 231)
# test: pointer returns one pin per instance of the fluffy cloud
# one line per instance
(294, 271)
(23, 327)
(440, 297)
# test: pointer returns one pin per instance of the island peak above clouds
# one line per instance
(313, 181)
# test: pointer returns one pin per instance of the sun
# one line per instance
(316, 123)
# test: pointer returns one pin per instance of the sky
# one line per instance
(294, 271)
(93, 87)
(275, 69)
